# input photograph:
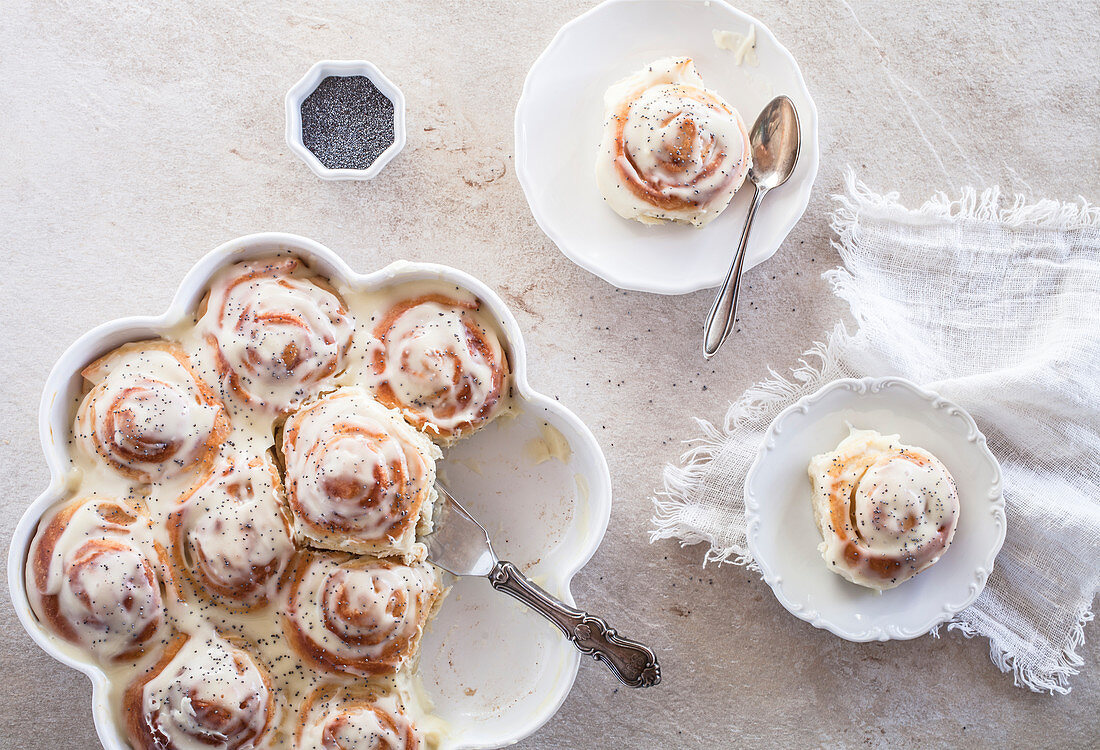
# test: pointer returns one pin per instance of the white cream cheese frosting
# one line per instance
(207, 695)
(230, 536)
(435, 358)
(885, 510)
(672, 150)
(176, 523)
(358, 476)
(149, 416)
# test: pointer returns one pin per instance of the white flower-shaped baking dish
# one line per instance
(303, 88)
(783, 537)
(494, 670)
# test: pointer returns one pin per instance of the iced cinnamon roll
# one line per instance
(205, 692)
(230, 538)
(148, 415)
(358, 477)
(672, 150)
(435, 360)
(356, 615)
(886, 510)
(353, 717)
(94, 578)
(279, 334)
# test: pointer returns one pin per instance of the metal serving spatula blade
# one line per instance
(460, 545)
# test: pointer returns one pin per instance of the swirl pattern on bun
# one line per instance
(672, 150)
(94, 578)
(358, 477)
(205, 692)
(230, 538)
(148, 415)
(278, 333)
(337, 717)
(886, 510)
(357, 615)
(434, 361)
(243, 521)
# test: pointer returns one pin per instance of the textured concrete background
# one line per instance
(140, 134)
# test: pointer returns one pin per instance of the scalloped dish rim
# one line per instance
(995, 496)
(190, 289)
(811, 150)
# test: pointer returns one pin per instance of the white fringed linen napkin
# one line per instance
(995, 304)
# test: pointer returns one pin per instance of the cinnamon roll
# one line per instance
(205, 692)
(886, 510)
(229, 537)
(93, 577)
(356, 615)
(358, 477)
(435, 361)
(278, 334)
(337, 717)
(672, 150)
(148, 415)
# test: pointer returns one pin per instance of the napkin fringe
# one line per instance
(990, 204)
(1046, 680)
(674, 505)
(673, 508)
(701, 499)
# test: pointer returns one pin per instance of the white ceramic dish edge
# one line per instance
(808, 121)
(303, 88)
(55, 413)
(995, 497)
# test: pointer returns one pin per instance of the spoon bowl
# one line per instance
(775, 142)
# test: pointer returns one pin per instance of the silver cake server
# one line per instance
(460, 545)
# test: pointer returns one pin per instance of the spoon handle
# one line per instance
(634, 664)
(720, 320)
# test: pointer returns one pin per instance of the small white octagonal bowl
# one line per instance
(303, 88)
(494, 670)
(783, 537)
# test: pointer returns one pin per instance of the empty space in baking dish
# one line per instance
(509, 669)
(538, 515)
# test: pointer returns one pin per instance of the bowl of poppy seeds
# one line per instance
(345, 120)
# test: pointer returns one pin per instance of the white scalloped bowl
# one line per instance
(559, 121)
(783, 537)
(495, 671)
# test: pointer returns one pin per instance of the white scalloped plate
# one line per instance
(495, 671)
(783, 538)
(559, 120)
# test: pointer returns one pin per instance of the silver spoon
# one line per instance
(461, 546)
(775, 140)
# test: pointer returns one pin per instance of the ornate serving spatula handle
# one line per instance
(633, 663)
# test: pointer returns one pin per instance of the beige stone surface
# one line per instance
(140, 134)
